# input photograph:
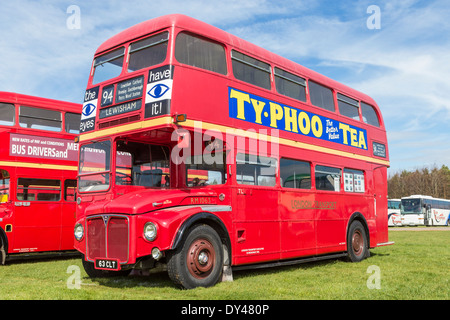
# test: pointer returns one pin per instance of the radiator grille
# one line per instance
(107, 237)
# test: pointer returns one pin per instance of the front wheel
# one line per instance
(198, 261)
(2, 251)
(357, 243)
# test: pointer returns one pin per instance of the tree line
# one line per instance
(433, 182)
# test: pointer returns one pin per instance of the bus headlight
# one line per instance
(150, 231)
(78, 231)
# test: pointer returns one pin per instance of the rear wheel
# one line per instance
(198, 261)
(357, 243)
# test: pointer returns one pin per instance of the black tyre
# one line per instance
(357, 242)
(198, 260)
(2, 251)
(97, 273)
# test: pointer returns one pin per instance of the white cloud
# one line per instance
(404, 66)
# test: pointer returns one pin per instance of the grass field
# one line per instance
(416, 267)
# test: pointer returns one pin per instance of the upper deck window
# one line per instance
(108, 66)
(36, 118)
(321, 96)
(251, 70)
(72, 122)
(290, 85)
(7, 114)
(200, 53)
(148, 52)
(369, 114)
(348, 106)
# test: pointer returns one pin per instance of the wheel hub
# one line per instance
(357, 242)
(200, 258)
(203, 258)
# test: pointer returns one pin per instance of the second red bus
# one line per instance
(38, 170)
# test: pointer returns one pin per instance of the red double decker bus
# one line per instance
(210, 154)
(38, 172)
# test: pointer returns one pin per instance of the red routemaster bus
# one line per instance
(38, 172)
(210, 154)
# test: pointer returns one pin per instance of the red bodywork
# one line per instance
(258, 223)
(44, 219)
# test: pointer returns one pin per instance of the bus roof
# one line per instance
(22, 99)
(214, 33)
(419, 196)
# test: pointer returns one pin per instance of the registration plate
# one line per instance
(107, 264)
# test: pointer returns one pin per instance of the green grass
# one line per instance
(416, 267)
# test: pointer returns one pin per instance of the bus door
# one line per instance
(297, 213)
(257, 230)
(330, 223)
(380, 203)
(68, 214)
(5, 199)
(37, 216)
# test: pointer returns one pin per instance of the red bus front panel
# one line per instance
(107, 237)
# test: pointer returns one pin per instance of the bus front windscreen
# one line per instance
(94, 167)
(108, 66)
(411, 206)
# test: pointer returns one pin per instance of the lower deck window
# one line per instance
(353, 180)
(255, 170)
(30, 189)
(200, 172)
(295, 174)
(328, 178)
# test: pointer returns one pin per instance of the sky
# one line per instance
(397, 52)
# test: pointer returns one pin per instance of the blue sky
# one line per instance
(404, 65)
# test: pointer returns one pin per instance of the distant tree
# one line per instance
(431, 182)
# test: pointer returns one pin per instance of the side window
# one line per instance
(328, 178)
(255, 170)
(36, 118)
(142, 164)
(290, 85)
(205, 173)
(321, 96)
(353, 180)
(72, 122)
(148, 52)
(250, 70)
(30, 189)
(7, 114)
(369, 115)
(200, 53)
(348, 107)
(295, 174)
(70, 190)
